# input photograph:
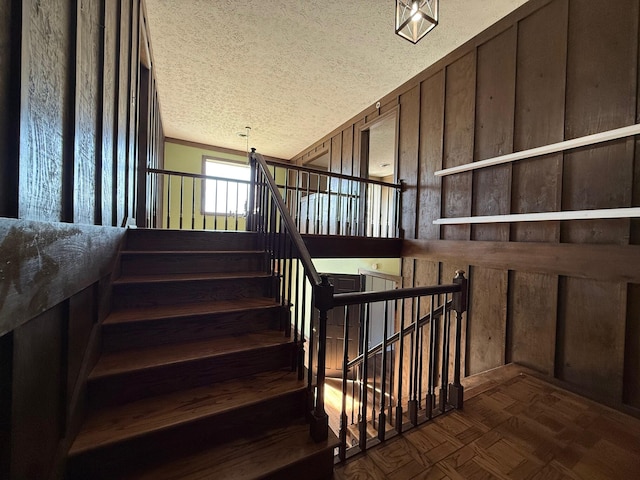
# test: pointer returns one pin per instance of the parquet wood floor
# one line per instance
(513, 426)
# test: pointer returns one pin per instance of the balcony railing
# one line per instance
(319, 202)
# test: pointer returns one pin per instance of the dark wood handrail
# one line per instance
(334, 175)
(304, 256)
(353, 298)
(197, 175)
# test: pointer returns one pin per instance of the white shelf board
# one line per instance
(544, 216)
(544, 150)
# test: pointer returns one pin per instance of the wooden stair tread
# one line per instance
(186, 277)
(246, 458)
(191, 309)
(115, 424)
(143, 358)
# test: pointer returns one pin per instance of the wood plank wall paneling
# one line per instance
(108, 147)
(37, 394)
(631, 393)
(7, 179)
(531, 324)
(122, 89)
(486, 339)
(431, 138)
(6, 379)
(46, 47)
(495, 98)
(347, 151)
(539, 119)
(408, 158)
(88, 33)
(49, 262)
(600, 89)
(458, 143)
(561, 297)
(591, 331)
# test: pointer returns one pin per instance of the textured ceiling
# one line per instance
(292, 70)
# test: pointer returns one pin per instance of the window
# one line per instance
(228, 193)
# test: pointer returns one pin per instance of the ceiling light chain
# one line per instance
(416, 18)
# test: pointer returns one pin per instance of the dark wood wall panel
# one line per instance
(531, 324)
(347, 151)
(46, 48)
(6, 379)
(8, 186)
(335, 161)
(486, 329)
(431, 138)
(495, 97)
(631, 393)
(37, 392)
(540, 90)
(83, 311)
(122, 88)
(458, 143)
(109, 97)
(88, 35)
(408, 157)
(591, 330)
(132, 117)
(600, 89)
(562, 296)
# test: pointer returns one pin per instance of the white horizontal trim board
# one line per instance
(545, 216)
(544, 150)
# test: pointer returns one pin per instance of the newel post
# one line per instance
(251, 202)
(456, 390)
(323, 294)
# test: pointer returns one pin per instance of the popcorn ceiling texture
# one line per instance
(292, 70)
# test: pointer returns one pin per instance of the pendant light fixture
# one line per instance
(415, 18)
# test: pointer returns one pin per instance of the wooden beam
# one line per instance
(615, 263)
(327, 246)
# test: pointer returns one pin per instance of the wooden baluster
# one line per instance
(444, 377)
(169, 201)
(193, 203)
(456, 390)
(181, 199)
(364, 387)
(382, 419)
(342, 451)
(413, 402)
(431, 397)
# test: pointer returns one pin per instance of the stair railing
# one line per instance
(377, 376)
(290, 266)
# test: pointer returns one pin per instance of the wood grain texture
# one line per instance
(590, 345)
(109, 98)
(600, 85)
(531, 323)
(631, 380)
(45, 263)
(44, 112)
(604, 262)
(122, 89)
(8, 49)
(408, 158)
(347, 151)
(459, 121)
(539, 119)
(487, 319)
(82, 317)
(513, 425)
(37, 395)
(6, 380)
(431, 149)
(86, 115)
(495, 103)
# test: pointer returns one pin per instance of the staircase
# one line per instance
(195, 377)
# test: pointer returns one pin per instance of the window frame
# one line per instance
(203, 201)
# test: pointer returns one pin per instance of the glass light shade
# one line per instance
(415, 18)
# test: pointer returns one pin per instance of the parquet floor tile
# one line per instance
(512, 427)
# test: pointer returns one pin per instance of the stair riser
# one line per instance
(314, 467)
(148, 264)
(172, 293)
(107, 462)
(117, 337)
(131, 386)
(190, 240)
